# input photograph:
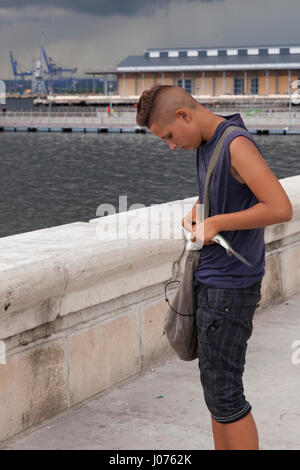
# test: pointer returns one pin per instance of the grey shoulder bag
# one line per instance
(180, 321)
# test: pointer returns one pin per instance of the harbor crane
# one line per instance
(19, 75)
(38, 85)
(55, 71)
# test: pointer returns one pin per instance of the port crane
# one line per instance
(55, 71)
(19, 75)
(47, 76)
(38, 85)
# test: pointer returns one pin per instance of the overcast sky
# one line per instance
(89, 33)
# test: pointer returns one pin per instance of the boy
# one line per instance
(245, 196)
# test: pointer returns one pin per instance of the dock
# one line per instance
(136, 130)
(125, 121)
(75, 129)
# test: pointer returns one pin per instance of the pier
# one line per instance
(96, 122)
(260, 122)
(83, 314)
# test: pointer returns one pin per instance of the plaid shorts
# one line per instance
(224, 325)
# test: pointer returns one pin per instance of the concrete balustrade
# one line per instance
(80, 314)
(282, 122)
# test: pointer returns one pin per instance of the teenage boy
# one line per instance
(245, 196)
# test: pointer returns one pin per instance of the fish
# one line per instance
(217, 239)
(230, 251)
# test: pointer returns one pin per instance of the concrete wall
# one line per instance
(80, 314)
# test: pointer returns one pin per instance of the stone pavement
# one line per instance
(164, 408)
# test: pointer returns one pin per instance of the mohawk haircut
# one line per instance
(160, 103)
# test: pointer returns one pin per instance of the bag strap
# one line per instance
(212, 164)
(206, 200)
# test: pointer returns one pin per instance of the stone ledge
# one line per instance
(80, 314)
(68, 268)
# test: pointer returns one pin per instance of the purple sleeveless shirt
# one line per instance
(216, 268)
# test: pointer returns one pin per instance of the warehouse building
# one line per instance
(261, 71)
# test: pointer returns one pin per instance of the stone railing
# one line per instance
(80, 314)
(264, 120)
(67, 119)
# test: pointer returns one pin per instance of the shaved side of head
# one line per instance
(160, 103)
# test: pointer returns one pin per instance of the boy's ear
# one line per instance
(183, 113)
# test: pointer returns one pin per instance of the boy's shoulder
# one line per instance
(237, 144)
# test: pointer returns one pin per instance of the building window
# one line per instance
(232, 52)
(173, 53)
(254, 86)
(154, 54)
(274, 50)
(212, 52)
(187, 85)
(238, 86)
(192, 53)
(252, 51)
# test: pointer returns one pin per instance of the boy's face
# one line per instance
(181, 133)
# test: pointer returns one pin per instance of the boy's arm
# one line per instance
(274, 205)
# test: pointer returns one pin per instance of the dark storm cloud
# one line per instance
(99, 7)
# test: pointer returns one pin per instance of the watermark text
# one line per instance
(158, 221)
(296, 353)
(2, 352)
(2, 92)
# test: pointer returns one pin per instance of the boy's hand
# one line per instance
(187, 223)
(204, 231)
